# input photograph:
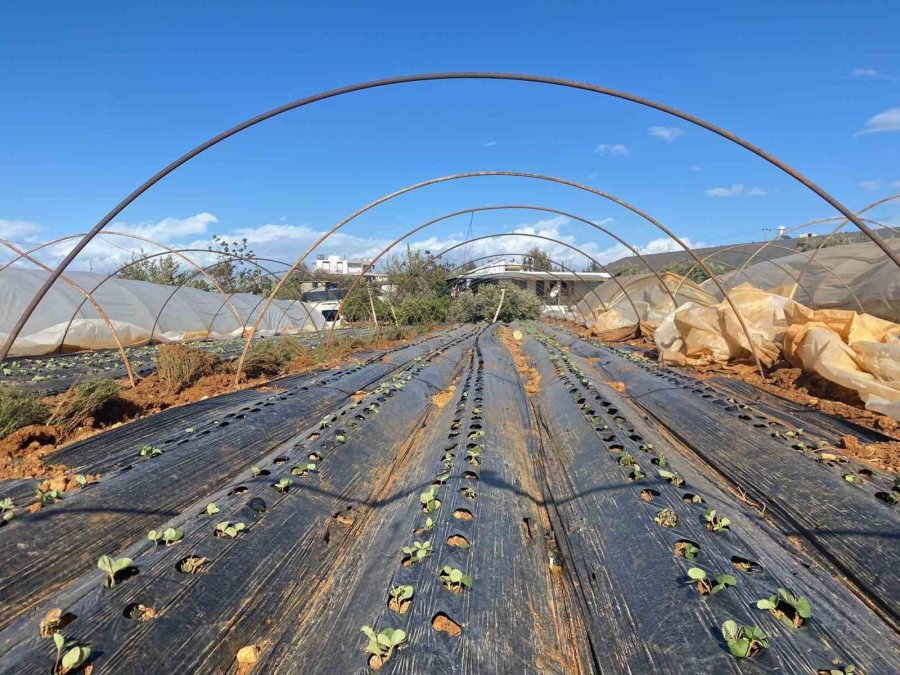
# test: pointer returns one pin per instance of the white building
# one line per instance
(335, 264)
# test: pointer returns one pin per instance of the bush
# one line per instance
(480, 305)
(181, 365)
(271, 356)
(423, 309)
(356, 306)
(83, 400)
(19, 409)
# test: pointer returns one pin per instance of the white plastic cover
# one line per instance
(137, 310)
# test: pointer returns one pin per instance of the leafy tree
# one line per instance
(593, 266)
(538, 259)
(481, 304)
(158, 270)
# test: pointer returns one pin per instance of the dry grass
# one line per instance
(19, 409)
(272, 356)
(179, 366)
(83, 401)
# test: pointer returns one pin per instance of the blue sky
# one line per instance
(98, 96)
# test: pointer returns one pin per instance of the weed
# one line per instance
(743, 641)
(715, 522)
(180, 365)
(271, 356)
(228, 529)
(792, 610)
(19, 409)
(666, 518)
(454, 580)
(113, 568)
(707, 586)
(83, 401)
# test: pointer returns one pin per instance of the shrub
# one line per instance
(423, 309)
(83, 401)
(19, 409)
(480, 305)
(271, 356)
(356, 306)
(181, 365)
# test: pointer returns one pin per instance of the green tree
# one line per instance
(157, 270)
(481, 304)
(538, 259)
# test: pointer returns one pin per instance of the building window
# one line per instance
(539, 288)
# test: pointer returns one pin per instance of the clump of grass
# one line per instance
(83, 400)
(18, 409)
(179, 365)
(272, 356)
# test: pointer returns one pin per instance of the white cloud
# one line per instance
(19, 230)
(168, 229)
(612, 149)
(736, 190)
(490, 144)
(889, 120)
(666, 133)
(863, 72)
(870, 185)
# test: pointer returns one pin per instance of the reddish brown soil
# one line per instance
(445, 625)
(528, 372)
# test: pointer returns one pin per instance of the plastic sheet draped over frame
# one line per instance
(857, 351)
(136, 309)
(652, 302)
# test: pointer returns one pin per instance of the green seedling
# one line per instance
(149, 451)
(8, 509)
(382, 645)
(696, 499)
(189, 430)
(73, 658)
(661, 462)
(687, 550)
(715, 522)
(846, 670)
(427, 527)
(637, 473)
(304, 470)
(666, 518)
(401, 596)
(283, 485)
(671, 477)
(792, 610)
(473, 455)
(454, 580)
(646, 447)
(707, 586)
(340, 438)
(81, 479)
(168, 536)
(853, 479)
(442, 477)
(255, 470)
(430, 502)
(625, 459)
(325, 423)
(47, 496)
(113, 568)
(228, 529)
(211, 509)
(468, 493)
(418, 551)
(743, 641)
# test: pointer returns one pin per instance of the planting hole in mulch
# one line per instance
(313, 437)
(401, 607)
(470, 475)
(239, 490)
(463, 514)
(191, 565)
(315, 457)
(444, 624)
(616, 448)
(257, 504)
(279, 460)
(459, 541)
(649, 495)
(685, 548)
(343, 517)
(55, 621)
(138, 612)
(745, 565)
(689, 498)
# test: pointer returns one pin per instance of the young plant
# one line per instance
(468, 493)
(255, 470)
(715, 522)
(636, 473)
(666, 518)
(149, 451)
(846, 670)
(625, 459)
(707, 586)
(8, 509)
(473, 455)
(428, 499)
(687, 550)
(454, 580)
(382, 645)
(228, 529)
(853, 479)
(74, 657)
(401, 596)
(168, 536)
(792, 610)
(672, 477)
(81, 480)
(113, 568)
(46, 496)
(211, 509)
(418, 551)
(304, 470)
(283, 485)
(743, 641)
